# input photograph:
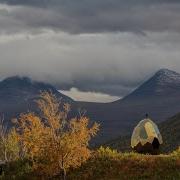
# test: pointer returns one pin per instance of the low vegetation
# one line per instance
(109, 164)
(50, 145)
(106, 164)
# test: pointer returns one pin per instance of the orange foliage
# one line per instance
(51, 141)
(9, 143)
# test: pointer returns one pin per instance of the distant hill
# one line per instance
(159, 96)
(17, 94)
(170, 131)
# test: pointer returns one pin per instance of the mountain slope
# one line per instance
(17, 94)
(163, 83)
(159, 97)
(170, 131)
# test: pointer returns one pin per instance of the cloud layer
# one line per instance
(106, 46)
(84, 16)
(108, 63)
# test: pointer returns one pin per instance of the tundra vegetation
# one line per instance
(52, 145)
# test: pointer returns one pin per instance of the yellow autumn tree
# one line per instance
(51, 141)
(32, 133)
(9, 143)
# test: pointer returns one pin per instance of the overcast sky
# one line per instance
(96, 46)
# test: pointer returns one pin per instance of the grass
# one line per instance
(107, 165)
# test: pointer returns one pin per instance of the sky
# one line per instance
(94, 50)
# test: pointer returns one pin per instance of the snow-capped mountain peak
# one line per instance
(165, 82)
(166, 76)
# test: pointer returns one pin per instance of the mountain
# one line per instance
(165, 82)
(170, 131)
(159, 97)
(17, 94)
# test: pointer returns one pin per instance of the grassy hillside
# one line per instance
(108, 164)
(170, 130)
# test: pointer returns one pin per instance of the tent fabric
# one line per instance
(145, 132)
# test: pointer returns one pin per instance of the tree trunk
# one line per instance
(5, 155)
(64, 174)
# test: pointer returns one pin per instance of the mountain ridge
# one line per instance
(116, 118)
(163, 80)
(27, 84)
(159, 96)
(18, 94)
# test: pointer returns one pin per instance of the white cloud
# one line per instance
(32, 42)
(77, 95)
(107, 63)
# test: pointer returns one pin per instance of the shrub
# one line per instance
(17, 169)
(176, 153)
(107, 152)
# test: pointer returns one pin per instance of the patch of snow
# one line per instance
(165, 76)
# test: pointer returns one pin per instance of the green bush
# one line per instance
(17, 169)
(177, 153)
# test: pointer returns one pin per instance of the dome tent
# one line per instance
(146, 137)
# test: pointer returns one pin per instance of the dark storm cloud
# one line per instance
(83, 3)
(91, 16)
(109, 63)
(103, 48)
